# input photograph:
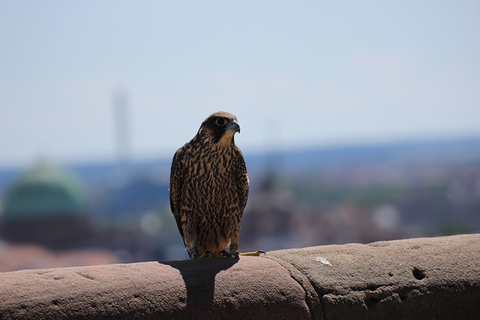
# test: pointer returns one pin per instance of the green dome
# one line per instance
(45, 191)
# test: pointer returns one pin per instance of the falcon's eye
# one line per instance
(221, 122)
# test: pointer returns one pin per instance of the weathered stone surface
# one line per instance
(202, 289)
(424, 278)
(427, 278)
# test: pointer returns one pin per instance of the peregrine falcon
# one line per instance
(209, 188)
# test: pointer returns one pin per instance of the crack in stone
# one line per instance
(312, 299)
(373, 294)
(50, 275)
(86, 276)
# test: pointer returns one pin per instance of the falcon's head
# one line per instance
(220, 127)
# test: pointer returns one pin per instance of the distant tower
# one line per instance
(273, 156)
(122, 131)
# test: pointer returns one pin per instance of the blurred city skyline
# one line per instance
(92, 214)
(295, 74)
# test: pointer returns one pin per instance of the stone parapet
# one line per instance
(424, 278)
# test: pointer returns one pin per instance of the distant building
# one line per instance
(47, 206)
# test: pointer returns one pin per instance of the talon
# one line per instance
(225, 253)
(193, 252)
(206, 254)
(256, 253)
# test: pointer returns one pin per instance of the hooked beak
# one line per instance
(233, 126)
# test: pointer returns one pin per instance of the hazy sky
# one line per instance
(296, 73)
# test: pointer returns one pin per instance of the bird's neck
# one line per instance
(226, 142)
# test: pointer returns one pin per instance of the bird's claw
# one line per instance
(255, 254)
(206, 254)
(236, 254)
(225, 253)
(193, 252)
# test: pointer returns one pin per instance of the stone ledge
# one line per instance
(425, 278)
(218, 288)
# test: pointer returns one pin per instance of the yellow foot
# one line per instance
(235, 254)
(256, 253)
